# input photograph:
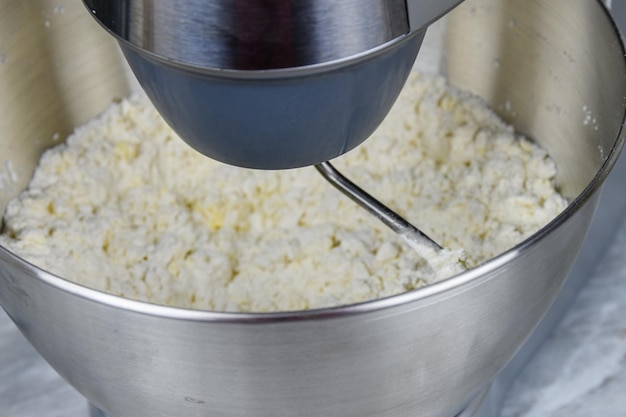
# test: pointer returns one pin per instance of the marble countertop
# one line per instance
(580, 371)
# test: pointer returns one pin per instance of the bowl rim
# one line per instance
(474, 276)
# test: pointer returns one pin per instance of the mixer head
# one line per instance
(271, 84)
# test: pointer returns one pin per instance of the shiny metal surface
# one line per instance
(258, 34)
(423, 353)
(422, 13)
(271, 84)
(287, 119)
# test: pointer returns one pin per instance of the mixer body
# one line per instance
(248, 35)
(271, 84)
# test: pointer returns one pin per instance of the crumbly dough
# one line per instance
(126, 207)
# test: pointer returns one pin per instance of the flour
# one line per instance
(126, 207)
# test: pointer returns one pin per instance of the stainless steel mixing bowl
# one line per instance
(555, 68)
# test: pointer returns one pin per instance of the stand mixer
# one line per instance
(271, 84)
(430, 352)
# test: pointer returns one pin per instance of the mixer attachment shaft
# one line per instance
(444, 262)
(389, 217)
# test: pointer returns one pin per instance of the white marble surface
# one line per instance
(28, 386)
(581, 369)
